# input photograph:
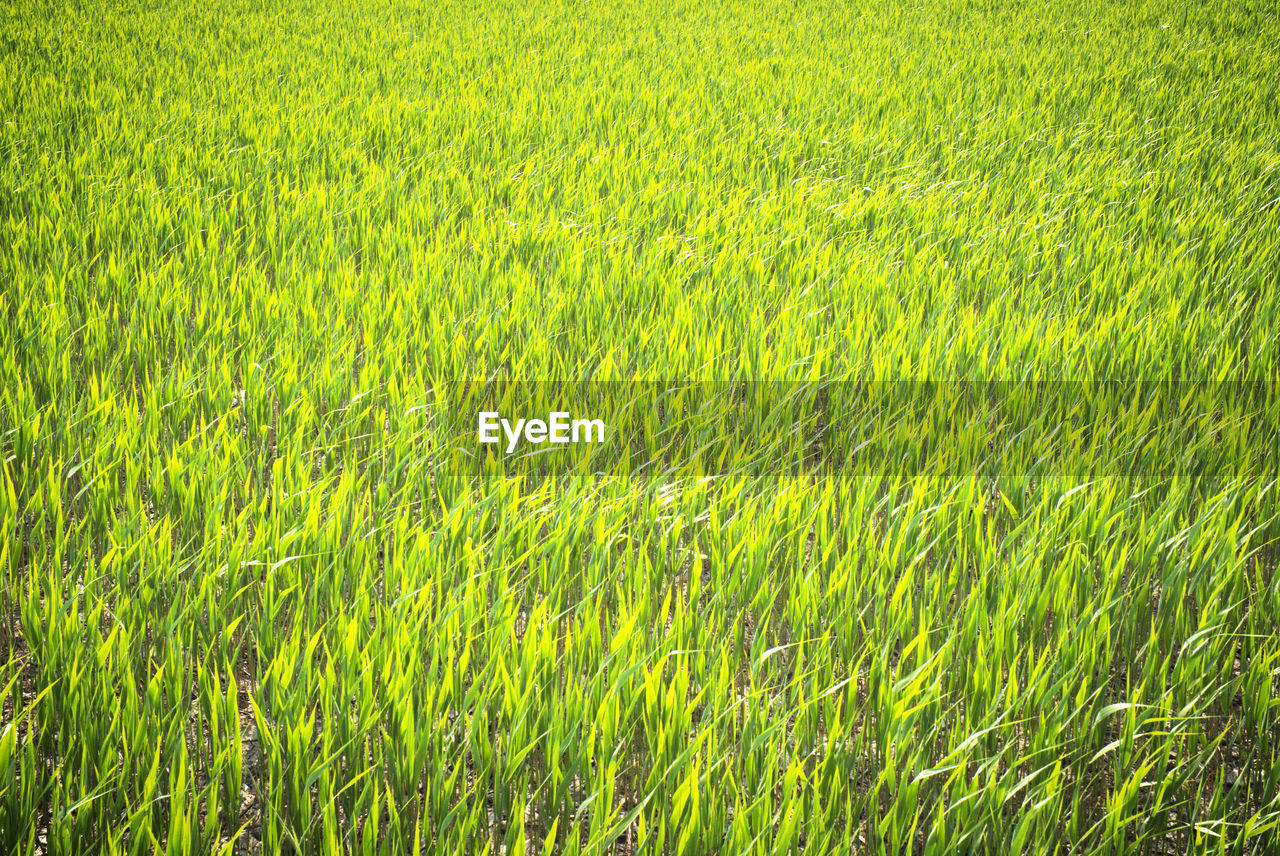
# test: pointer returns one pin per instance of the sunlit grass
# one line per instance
(247, 601)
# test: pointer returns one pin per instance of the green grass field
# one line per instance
(252, 599)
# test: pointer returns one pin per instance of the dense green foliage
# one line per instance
(245, 603)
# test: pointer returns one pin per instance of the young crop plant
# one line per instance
(928, 356)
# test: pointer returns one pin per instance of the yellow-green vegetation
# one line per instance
(249, 600)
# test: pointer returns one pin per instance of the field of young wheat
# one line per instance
(938, 344)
